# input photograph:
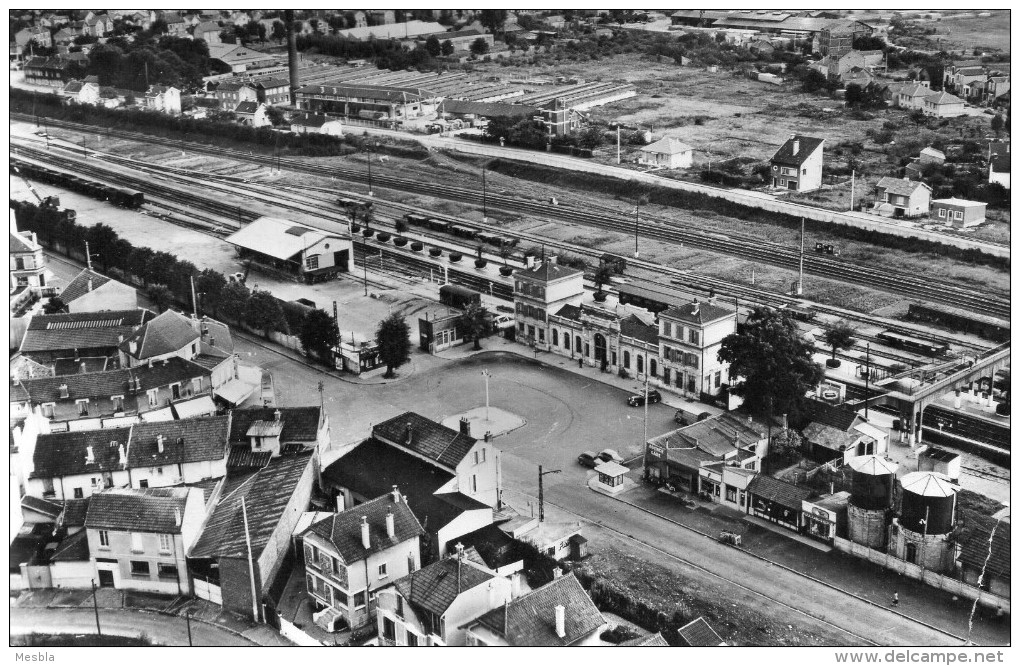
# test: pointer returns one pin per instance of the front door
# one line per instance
(341, 259)
(105, 578)
(600, 351)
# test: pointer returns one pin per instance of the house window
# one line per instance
(389, 629)
(555, 338)
(196, 384)
(692, 336)
(47, 410)
(139, 568)
(653, 367)
(175, 391)
(340, 598)
(958, 215)
(577, 343)
(311, 555)
(359, 599)
(640, 364)
(483, 454)
(166, 570)
(136, 543)
(382, 571)
(104, 539)
(144, 483)
(165, 543)
(566, 341)
(410, 563)
(541, 335)
(312, 262)
(626, 359)
(731, 493)
(474, 483)
(83, 407)
(79, 493)
(520, 327)
(531, 331)
(153, 396)
(942, 212)
(118, 403)
(412, 639)
(400, 606)
(718, 379)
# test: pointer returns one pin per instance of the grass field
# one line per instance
(989, 33)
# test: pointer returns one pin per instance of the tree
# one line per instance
(591, 137)
(160, 295)
(264, 312)
(869, 43)
(479, 46)
(854, 95)
(840, 336)
(772, 361)
(318, 333)
(433, 46)
(448, 48)
(209, 286)
(474, 323)
(813, 81)
(101, 239)
(493, 19)
(275, 116)
(54, 306)
(785, 445)
(602, 275)
(998, 123)
(394, 339)
(234, 301)
(279, 31)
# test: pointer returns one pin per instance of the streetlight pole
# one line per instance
(187, 618)
(95, 606)
(541, 492)
(644, 442)
(485, 373)
(369, 149)
(637, 218)
(867, 381)
(800, 279)
(485, 212)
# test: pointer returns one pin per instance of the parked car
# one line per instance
(588, 459)
(638, 399)
(686, 418)
(502, 322)
(609, 455)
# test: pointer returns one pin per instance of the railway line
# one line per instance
(747, 247)
(324, 208)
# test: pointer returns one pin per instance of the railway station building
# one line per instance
(376, 102)
(293, 250)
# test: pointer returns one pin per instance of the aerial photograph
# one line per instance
(510, 328)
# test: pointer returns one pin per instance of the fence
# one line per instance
(206, 590)
(937, 580)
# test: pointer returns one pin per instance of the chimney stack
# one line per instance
(465, 426)
(90, 284)
(90, 456)
(561, 621)
(552, 260)
(796, 146)
(177, 517)
(340, 503)
(409, 435)
(83, 368)
(159, 443)
(460, 551)
(122, 456)
(365, 540)
(529, 260)
(390, 530)
(63, 391)
(396, 495)
(276, 415)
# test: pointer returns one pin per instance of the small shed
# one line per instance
(611, 476)
(932, 156)
(934, 459)
(960, 213)
(668, 153)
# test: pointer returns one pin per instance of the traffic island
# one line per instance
(486, 421)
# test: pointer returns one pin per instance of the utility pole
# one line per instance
(644, 442)
(364, 259)
(541, 493)
(187, 618)
(485, 213)
(251, 563)
(617, 144)
(485, 373)
(853, 183)
(88, 256)
(867, 381)
(95, 606)
(368, 147)
(637, 219)
(194, 300)
(800, 280)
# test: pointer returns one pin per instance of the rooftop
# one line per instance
(164, 334)
(65, 453)
(278, 238)
(425, 437)
(697, 312)
(435, 587)
(531, 619)
(698, 633)
(159, 510)
(785, 494)
(85, 330)
(343, 529)
(975, 550)
(548, 271)
(667, 145)
(901, 186)
(805, 146)
(79, 286)
(112, 382)
(300, 424)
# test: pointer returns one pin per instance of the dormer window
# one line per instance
(83, 407)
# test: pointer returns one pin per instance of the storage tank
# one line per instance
(928, 503)
(872, 484)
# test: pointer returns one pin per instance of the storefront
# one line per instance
(825, 518)
(777, 501)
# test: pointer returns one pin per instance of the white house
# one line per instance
(316, 123)
(797, 165)
(669, 153)
(90, 291)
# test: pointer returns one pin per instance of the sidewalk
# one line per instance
(851, 575)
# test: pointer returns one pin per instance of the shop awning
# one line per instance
(235, 391)
(203, 405)
(165, 414)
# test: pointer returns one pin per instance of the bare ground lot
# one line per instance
(989, 33)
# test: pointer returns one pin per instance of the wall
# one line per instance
(63, 488)
(465, 523)
(473, 603)
(235, 584)
(72, 574)
(939, 581)
(485, 472)
(120, 550)
(111, 296)
(294, 634)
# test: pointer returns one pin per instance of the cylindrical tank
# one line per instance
(872, 482)
(928, 504)
(867, 526)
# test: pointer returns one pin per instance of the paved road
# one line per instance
(162, 629)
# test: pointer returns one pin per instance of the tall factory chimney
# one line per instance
(292, 55)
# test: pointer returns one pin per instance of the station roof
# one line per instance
(275, 237)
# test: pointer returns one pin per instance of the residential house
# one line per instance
(899, 197)
(850, 65)
(668, 153)
(208, 31)
(40, 35)
(80, 92)
(762, 47)
(911, 96)
(82, 334)
(958, 212)
(315, 123)
(539, 289)
(232, 93)
(50, 71)
(353, 554)
(273, 91)
(797, 165)
(837, 432)
(689, 340)
(965, 80)
(996, 90)
(942, 105)
(98, 25)
(252, 114)
(932, 156)
(698, 633)
(138, 538)
(998, 169)
(249, 532)
(165, 99)
(557, 614)
(431, 606)
(170, 334)
(777, 501)
(170, 453)
(28, 264)
(984, 558)
(258, 434)
(90, 291)
(93, 399)
(282, 246)
(175, 24)
(36, 510)
(64, 37)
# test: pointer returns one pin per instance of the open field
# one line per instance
(990, 33)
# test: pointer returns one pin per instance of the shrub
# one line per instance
(382, 237)
(368, 233)
(400, 241)
(435, 252)
(455, 257)
(480, 263)
(506, 271)
(417, 246)
(401, 225)
(355, 228)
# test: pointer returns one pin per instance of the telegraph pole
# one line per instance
(644, 442)
(485, 214)
(637, 219)
(485, 373)
(187, 618)
(617, 144)
(541, 493)
(88, 256)
(800, 280)
(853, 181)
(867, 381)
(95, 606)
(368, 147)
(194, 300)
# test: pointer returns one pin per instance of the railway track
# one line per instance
(747, 247)
(324, 208)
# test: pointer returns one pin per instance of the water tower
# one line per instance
(871, 494)
(920, 535)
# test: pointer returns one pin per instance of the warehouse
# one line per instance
(284, 247)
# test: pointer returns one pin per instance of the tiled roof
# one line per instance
(900, 186)
(435, 587)
(1000, 163)
(808, 145)
(39, 505)
(247, 108)
(547, 271)
(633, 327)
(569, 312)
(974, 550)
(782, 493)
(373, 468)
(300, 424)
(165, 334)
(184, 441)
(159, 510)
(113, 382)
(73, 86)
(699, 634)
(74, 548)
(531, 619)
(343, 530)
(266, 495)
(840, 418)
(20, 243)
(83, 330)
(696, 313)
(243, 458)
(829, 437)
(79, 286)
(942, 97)
(80, 365)
(426, 438)
(272, 83)
(74, 512)
(64, 453)
(651, 640)
(310, 119)
(667, 145)
(494, 546)
(232, 86)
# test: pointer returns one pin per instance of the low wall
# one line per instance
(937, 580)
(294, 634)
